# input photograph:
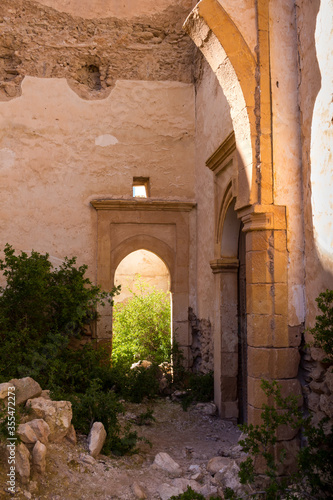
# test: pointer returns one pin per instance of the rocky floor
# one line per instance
(190, 438)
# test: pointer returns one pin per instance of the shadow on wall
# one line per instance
(316, 53)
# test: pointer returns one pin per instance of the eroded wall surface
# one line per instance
(59, 152)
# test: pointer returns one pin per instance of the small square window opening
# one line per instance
(140, 187)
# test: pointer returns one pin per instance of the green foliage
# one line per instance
(200, 388)
(135, 385)
(42, 299)
(315, 461)
(190, 494)
(323, 329)
(142, 327)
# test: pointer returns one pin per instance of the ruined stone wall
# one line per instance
(88, 104)
(315, 47)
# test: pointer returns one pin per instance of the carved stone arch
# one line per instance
(228, 225)
(245, 82)
(144, 242)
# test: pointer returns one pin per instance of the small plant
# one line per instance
(142, 326)
(323, 329)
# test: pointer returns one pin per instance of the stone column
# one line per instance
(272, 349)
(226, 337)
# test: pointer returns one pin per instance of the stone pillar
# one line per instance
(272, 353)
(226, 337)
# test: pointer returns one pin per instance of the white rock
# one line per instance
(139, 491)
(35, 430)
(217, 463)
(26, 388)
(22, 463)
(141, 364)
(57, 414)
(166, 491)
(39, 457)
(228, 477)
(96, 439)
(87, 459)
(165, 462)
(194, 468)
(183, 484)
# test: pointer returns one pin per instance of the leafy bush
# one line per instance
(314, 477)
(142, 326)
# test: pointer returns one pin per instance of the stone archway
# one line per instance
(161, 227)
(244, 76)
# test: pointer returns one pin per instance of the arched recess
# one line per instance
(227, 352)
(146, 242)
(161, 227)
(246, 85)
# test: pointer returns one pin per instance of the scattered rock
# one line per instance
(96, 439)
(207, 490)
(228, 477)
(22, 462)
(177, 395)
(45, 394)
(165, 462)
(206, 408)
(87, 459)
(217, 463)
(35, 430)
(39, 457)
(57, 414)
(71, 435)
(183, 484)
(26, 388)
(166, 491)
(139, 491)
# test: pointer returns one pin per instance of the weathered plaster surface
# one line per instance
(315, 93)
(213, 124)
(52, 166)
(288, 188)
(91, 53)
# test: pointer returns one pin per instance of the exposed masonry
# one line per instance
(92, 54)
(202, 343)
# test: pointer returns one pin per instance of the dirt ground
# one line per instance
(191, 438)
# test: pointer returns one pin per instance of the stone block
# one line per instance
(280, 266)
(229, 409)
(229, 364)
(273, 363)
(229, 388)
(259, 267)
(257, 397)
(259, 299)
(280, 298)
(23, 462)
(259, 240)
(267, 331)
(33, 431)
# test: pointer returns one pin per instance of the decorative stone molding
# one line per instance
(221, 154)
(224, 265)
(146, 205)
(263, 218)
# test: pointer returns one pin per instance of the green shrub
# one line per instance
(142, 326)
(323, 329)
(314, 477)
(199, 386)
